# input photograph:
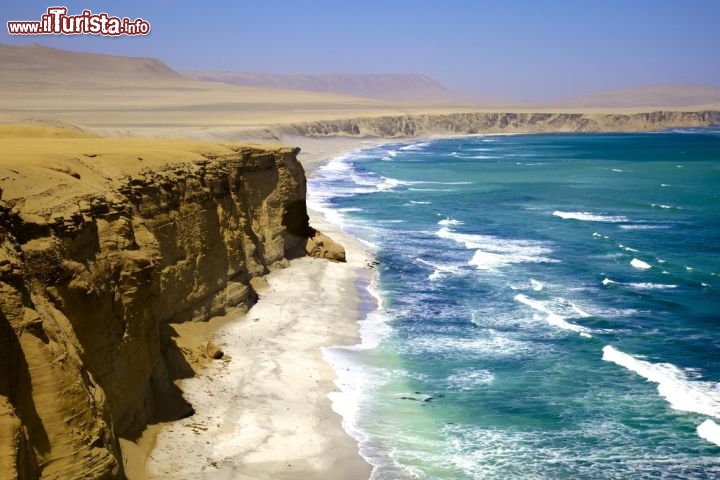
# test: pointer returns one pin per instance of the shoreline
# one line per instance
(274, 349)
(351, 278)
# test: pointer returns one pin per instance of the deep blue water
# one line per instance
(549, 305)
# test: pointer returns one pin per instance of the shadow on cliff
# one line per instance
(16, 386)
(302, 240)
(169, 403)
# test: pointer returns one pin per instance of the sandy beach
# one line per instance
(262, 411)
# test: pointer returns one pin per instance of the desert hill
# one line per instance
(380, 86)
(121, 96)
(45, 64)
(114, 95)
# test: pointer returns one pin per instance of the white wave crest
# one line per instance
(336, 165)
(673, 384)
(553, 318)
(492, 252)
(440, 270)
(642, 227)
(626, 248)
(414, 146)
(390, 183)
(640, 285)
(590, 217)
(709, 431)
(447, 222)
(650, 286)
(639, 264)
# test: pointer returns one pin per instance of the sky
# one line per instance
(513, 49)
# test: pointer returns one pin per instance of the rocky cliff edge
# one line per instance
(104, 243)
(409, 126)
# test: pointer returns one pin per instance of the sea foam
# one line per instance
(492, 252)
(639, 264)
(553, 318)
(590, 217)
(414, 146)
(388, 183)
(440, 270)
(674, 386)
(650, 286)
(469, 379)
(643, 226)
(447, 222)
(640, 285)
(709, 431)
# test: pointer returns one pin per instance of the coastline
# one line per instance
(264, 409)
(119, 217)
(298, 337)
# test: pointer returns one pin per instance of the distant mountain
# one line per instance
(647, 96)
(33, 62)
(37, 66)
(404, 87)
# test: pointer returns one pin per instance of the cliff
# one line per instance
(103, 243)
(471, 123)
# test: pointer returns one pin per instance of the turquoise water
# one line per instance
(549, 305)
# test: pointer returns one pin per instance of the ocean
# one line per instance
(547, 306)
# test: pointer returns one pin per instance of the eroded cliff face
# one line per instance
(89, 283)
(472, 123)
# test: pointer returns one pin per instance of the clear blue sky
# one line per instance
(523, 49)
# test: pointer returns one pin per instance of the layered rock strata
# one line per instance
(408, 126)
(91, 281)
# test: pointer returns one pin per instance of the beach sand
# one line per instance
(262, 411)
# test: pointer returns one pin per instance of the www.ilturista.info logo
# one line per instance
(57, 22)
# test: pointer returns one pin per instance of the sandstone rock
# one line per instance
(322, 246)
(89, 286)
(213, 351)
(405, 126)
